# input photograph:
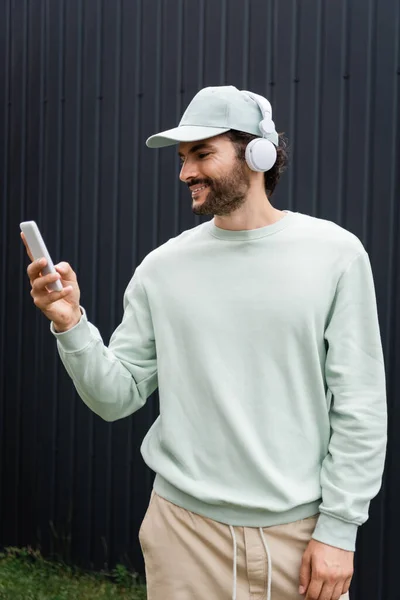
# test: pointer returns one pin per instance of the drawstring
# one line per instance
(269, 564)
(235, 563)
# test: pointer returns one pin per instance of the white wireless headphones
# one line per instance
(261, 152)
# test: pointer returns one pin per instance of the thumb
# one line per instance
(305, 573)
(65, 271)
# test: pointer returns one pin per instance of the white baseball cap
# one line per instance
(213, 111)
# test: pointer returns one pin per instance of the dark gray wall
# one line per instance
(82, 84)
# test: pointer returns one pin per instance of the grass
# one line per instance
(26, 575)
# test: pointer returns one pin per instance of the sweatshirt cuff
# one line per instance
(76, 338)
(336, 532)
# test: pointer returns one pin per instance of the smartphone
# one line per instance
(38, 250)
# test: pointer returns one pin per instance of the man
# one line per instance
(260, 329)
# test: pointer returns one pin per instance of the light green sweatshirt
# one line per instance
(266, 350)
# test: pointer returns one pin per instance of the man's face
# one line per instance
(217, 179)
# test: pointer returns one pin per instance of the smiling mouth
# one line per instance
(197, 191)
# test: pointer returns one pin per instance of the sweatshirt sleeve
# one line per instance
(113, 381)
(351, 473)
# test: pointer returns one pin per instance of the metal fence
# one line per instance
(82, 84)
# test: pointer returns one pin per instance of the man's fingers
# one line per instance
(66, 271)
(327, 592)
(346, 586)
(27, 247)
(305, 574)
(44, 301)
(35, 268)
(338, 591)
(324, 590)
(314, 589)
(40, 283)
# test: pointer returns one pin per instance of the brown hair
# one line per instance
(240, 140)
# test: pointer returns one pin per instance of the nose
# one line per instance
(188, 171)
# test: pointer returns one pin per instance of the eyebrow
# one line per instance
(197, 147)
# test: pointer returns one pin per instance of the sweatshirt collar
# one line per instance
(252, 234)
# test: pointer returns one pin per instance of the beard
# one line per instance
(227, 193)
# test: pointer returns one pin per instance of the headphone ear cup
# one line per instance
(267, 126)
(260, 155)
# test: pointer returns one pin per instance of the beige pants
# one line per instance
(189, 557)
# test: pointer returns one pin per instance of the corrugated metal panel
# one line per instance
(82, 84)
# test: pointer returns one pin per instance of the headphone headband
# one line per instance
(267, 126)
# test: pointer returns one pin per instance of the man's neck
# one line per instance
(255, 213)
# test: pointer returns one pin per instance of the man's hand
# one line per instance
(325, 572)
(60, 307)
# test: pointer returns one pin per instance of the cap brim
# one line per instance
(184, 133)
